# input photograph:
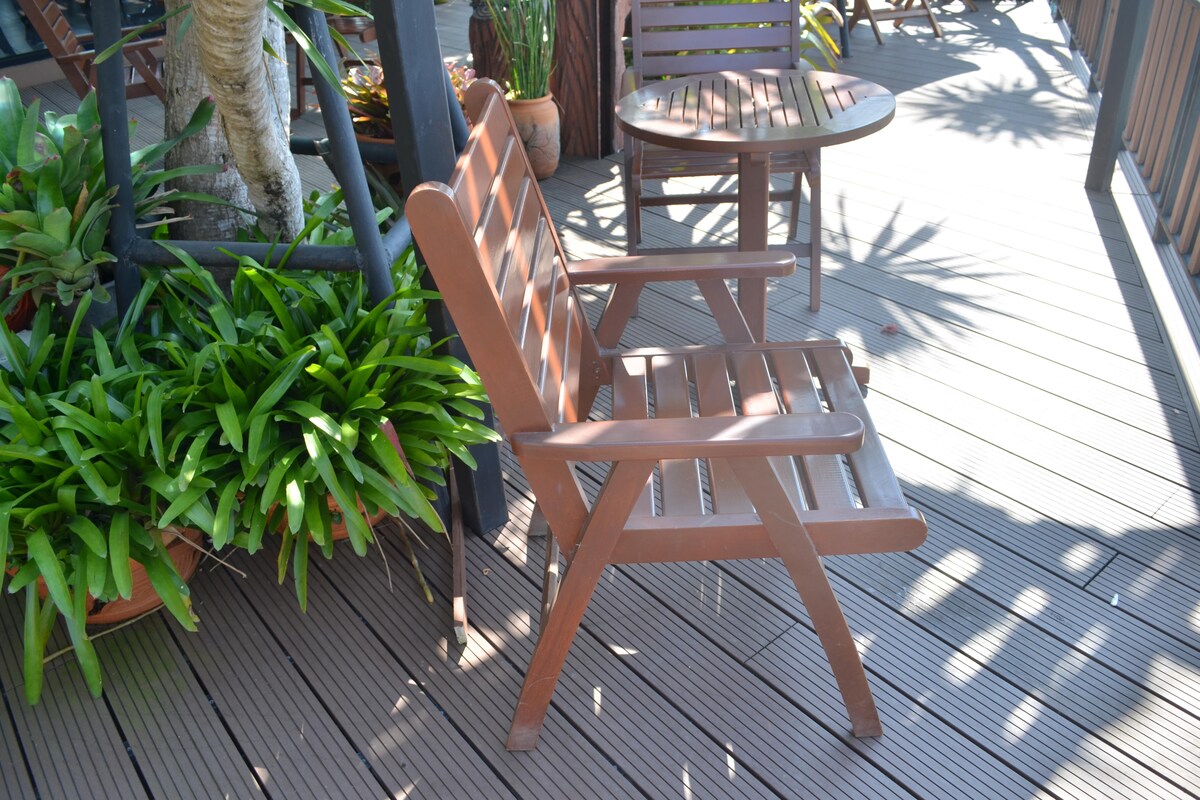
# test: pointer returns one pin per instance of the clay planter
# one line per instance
(389, 170)
(337, 527)
(143, 598)
(538, 125)
(186, 559)
(22, 315)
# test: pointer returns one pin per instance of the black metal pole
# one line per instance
(347, 164)
(1129, 41)
(114, 135)
(412, 63)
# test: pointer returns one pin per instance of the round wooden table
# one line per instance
(752, 114)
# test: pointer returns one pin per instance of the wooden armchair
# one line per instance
(78, 63)
(674, 38)
(774, 457)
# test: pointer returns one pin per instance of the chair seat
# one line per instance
(732, 381)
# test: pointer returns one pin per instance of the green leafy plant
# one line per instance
(55, 205)
(817, 43)
(525, 29)
(85, 478)
(298, 374)
(366, 94)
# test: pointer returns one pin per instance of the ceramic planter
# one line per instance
(538, 125)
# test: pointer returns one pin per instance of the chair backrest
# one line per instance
(55, 31)
(497, 261)
(687, 37)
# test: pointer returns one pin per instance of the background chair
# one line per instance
(774, 457)
(674, 38)
(899, 11)
(79, 64)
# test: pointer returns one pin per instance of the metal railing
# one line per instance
(1149, 51)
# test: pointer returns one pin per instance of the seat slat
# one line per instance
(877, 485)
(630, 401)
(679, 478)
(825, 478)
(715, 399)
(758, 397)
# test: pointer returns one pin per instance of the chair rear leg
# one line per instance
(799, 555)
(794, 211)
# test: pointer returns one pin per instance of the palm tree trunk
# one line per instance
(251, 91)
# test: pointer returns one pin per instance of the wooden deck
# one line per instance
(1043, 643)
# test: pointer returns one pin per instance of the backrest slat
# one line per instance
(554, 348)
(535, 317)
(672, 41)
(673, 38)
(484, 156)
(513, 285)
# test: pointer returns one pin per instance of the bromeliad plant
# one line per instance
(86, 478)
(55, 205)
(297, 374)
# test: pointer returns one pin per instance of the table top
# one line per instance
(764, 110)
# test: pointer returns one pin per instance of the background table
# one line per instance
(752, 114)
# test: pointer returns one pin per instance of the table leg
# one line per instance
(754, 175)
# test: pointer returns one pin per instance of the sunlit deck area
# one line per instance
(1042, 643)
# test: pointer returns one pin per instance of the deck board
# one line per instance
(1029, 406)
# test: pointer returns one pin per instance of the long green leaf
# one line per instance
(34, 645)
(42, 553)
(169, 586)
(118, 553)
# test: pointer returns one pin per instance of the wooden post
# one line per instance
(486, 58)
(1133, 20)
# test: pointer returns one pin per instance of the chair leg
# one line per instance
(764, 488)
(617, 498)
(814, 231)
(794, 211)
(633, 195)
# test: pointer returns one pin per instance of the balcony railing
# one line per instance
(1161, 128)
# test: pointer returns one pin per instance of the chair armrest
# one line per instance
(695, 437)
(686, 267)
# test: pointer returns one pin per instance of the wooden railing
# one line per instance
(1091, 32)
(1162, 129)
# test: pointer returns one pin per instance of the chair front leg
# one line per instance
(795, 547)
(584, 567)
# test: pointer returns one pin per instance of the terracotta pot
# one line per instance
(186, 559)
(538, 125)
(389, 170)
(337, 528)
(338, 524)
(143, 598)
(22, 315)
(349, 26)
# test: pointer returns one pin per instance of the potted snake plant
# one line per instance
(525, 30)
